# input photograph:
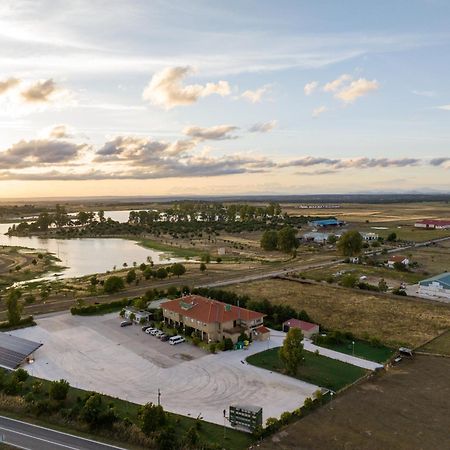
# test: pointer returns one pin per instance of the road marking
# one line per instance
(38, 438)
(16, 446)
(61, 432)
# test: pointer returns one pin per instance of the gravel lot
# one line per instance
(95, 353)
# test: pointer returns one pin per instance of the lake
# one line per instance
(87, 256)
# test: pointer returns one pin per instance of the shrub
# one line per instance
(113, 284)
(59, 390)
(21, 375)
(212, 347)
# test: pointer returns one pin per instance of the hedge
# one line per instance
(101, 308)
(24, 323)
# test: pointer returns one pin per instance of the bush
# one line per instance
(102, 308)
(212, 347)
(59, 390)
(228, 344)
(21, 375)
(113, 284)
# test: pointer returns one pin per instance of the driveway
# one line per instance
(95, 353)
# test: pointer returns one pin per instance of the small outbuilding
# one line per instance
(400, 259)
(139, 315)
(307, 328)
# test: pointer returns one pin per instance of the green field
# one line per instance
(363, 350)
(438, 346)
(177, 251)
(316, 369)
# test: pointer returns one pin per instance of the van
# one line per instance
(176, 340)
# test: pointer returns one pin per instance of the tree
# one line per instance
(291, 353)
(59, 390)
(392, 237)
(151, 417)
(287, 240)
(202, 267)
(178, 269)
(13, 306)
(168, 439)
(332, 239)
(95, 413)
(131, 276)
(161, 273)
(350, 243)
(269, 240)
(382, 286)
(400, 266)
(113, 284)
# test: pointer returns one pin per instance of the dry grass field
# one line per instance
(394, 320)
(405, 409)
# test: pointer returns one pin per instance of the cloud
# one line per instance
(219, 132)
(441, 162)
(41, 152)
(263, 127)
(166, 89)
(310, 87)
(8, 84)
(360, 163)
(444, 107)
(357, 88)
(40, 91)
(318, 111)
(334, 85)
(257, 95)
(58, 132)
(425, 93)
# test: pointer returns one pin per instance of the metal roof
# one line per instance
(443, 278)
(13, 350)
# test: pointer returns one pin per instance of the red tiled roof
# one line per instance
(295, 323)
(209, 311)
(262, 329)
(397, 258)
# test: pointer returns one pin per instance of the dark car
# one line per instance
(146, 327)
(126, 323)
(164, 337)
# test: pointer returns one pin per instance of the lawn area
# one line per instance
(363, 349)
(393, 320)
(317, 369)
(176, 251)
(208, 432)
(440, 345)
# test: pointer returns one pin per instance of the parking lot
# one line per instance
(95, 353)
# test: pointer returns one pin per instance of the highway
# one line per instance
(26, 436)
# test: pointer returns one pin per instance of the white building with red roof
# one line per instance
(433, 224)
(307, 328)
(214, 320)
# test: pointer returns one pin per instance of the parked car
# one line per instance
(126, 323)
(154, 331)
(149, 330)
(159, 334)
(174, 340)
(164, 337)
(146, 327)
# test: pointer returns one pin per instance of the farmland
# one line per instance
(386, 412)
(392, 320)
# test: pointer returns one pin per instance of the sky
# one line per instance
(119, 98)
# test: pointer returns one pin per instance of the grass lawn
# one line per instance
(177, 251)
(393, 320)
(209, 432)
(317, 369)
(363, 350)
(440, 345)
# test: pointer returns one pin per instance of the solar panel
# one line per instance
(13, 350)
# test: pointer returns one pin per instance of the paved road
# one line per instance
(32, 437)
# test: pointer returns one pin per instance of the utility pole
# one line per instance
(159, 397)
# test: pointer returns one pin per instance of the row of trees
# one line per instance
(284, 240)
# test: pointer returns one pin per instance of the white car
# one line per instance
(154, 331)
(149, 330)
(174, 340)
(159, 334)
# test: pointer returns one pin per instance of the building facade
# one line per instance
(214, 320)
(438, 286)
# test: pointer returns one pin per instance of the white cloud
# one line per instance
(263, 127)
(257, 95)
(444, 107)
(318, 111)
(9, 83)
(425, 93)
(166, 89)
(357, 88)
(334, 85)
(310, 87)
(219, 132)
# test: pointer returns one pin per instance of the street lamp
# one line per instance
(353, 348)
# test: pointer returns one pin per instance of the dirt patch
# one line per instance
(393, 320)
(405, 409)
